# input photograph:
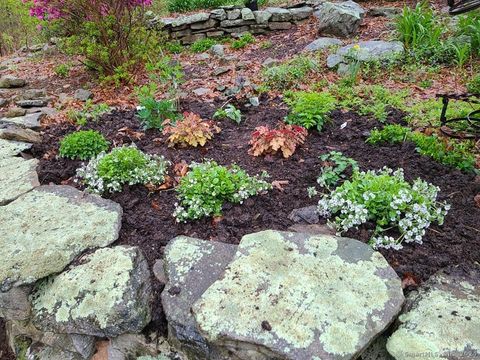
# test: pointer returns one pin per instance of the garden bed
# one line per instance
(149, 224)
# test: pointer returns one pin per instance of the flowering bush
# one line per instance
(123, 165)
(284, 139)
(190, 131)
(108, 33)
(385, 198)
(205, 188)
(83, 145)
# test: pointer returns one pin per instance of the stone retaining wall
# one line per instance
(231, 21)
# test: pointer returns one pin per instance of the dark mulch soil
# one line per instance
(5, 352)
(148, 221)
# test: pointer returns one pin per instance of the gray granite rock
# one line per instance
(15, 304)
(8, 82)
(218, 50)
(234, 14)
(262, 17)
(279, 14)
(190, 19)
(16, 133)
(247, 14)
(15, 112)
(209, 24)
(107, 295)
(81, 222)
(191, 266)
(30, 121)
(279, 25)
(83, 95)
(366, 51)
(441, 318)
(31, 103)
(218, 14)
(322, 43)
(306, 214)
(296, 296)
(384, 11)
(201, 91)
(301, 13)
(33, 94)
(339, 19)
(17, 177)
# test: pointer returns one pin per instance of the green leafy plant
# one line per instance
(89, 112)
(451, 153)
(202, 45)
(124, 165)
(154, 113)
(229, 112)
(310, 109)
(286, 138)
(334, 168)
(83, 145)
(473, 86)
(62, 70)
(207, 186)
(243, 41)
(191, 130)
(167, 72)
(385, 198)
(469, 28)
(289, 74)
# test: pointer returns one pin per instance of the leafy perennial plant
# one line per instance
(83, 145)
(385, 198)
(123, 165)
(207, 186)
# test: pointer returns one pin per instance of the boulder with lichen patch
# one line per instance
(191, 266)
(10, 149)
(107, 295)
(48, 227)
(297, 296)
(17, 177)
(441, 319)
(339, 19)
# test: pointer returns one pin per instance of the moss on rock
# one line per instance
(298, 296)
(108, 295)
(45, 229)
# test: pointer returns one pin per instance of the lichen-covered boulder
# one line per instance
(7, 82)
(297, 296)
(322, 43)
(191, 266)
(29, 121)
(9, 149)
(107, 295)
(40, 351)
(17, 176)
(339, 19)
(441, 319)
(48, 227)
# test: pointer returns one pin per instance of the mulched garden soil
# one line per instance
(148, 221)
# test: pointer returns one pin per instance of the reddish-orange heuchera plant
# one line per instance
(285, 138)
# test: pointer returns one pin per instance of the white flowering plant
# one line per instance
(108, 172)
(387, 199)
(207, 186)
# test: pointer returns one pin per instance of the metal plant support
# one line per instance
(471, 122)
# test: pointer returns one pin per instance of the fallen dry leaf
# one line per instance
(409, 279)
(278, 184)
(477, 200)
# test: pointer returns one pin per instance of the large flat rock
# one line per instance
(17, 176)
(191, 266)
(45, 229)
(298, 296)
(29, 121)
(442, 319)
(12, 148)
(107, 295)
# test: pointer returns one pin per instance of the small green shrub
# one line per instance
(310, 109)
(89, 112)
(334, 168)
(124, 165)
(289, 74)
(451, 153)
(153, 113)
(207, 186)
(229, 112)
(473, 86)
(469, 28)
(83, 145)
(243, 41)
(62, 70)
(385, 198)
(202, 45)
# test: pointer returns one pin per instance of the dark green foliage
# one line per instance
(243, 41)
(310, 109)
(202, 45)
(334, 168)
(153, 113)
(83, 145)
(390, 133)
(473, 86)
(289, 74)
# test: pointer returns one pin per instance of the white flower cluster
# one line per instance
(152, 171)
(386, 198)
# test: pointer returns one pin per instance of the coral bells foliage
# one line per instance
(285, 139)
(190, 131)
(385, 198)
